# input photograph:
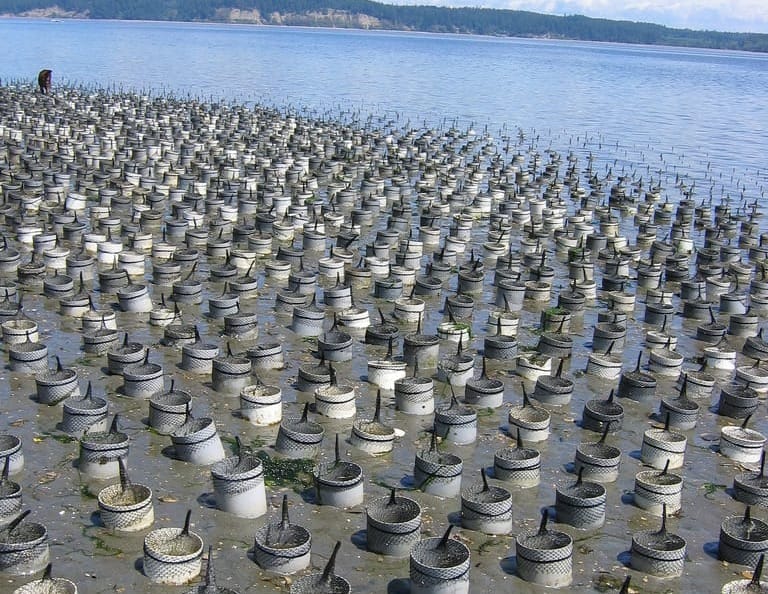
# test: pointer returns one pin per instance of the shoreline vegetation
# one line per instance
(366, 14)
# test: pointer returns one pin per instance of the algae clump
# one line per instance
(295, 473)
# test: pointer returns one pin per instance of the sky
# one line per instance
(720, 15)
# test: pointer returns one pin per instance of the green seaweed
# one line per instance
(231, 443)
(295, 473)
(462, 327)
(103, 549)
(60, 437)
(539, 361)
(711, 488)
(85, 361)
(257, 442)
(490, 543)
(100, 546)
(86, 492)
(605, 582)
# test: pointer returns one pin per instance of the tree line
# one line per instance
(479, 21)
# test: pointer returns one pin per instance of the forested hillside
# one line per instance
(376, 15)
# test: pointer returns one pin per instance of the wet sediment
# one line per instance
(172, 220)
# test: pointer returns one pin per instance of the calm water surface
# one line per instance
(703, 108)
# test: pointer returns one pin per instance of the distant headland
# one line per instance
(365, 14)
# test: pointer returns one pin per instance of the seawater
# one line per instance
(700, 110)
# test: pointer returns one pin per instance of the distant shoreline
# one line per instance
(367, 15)
(382, 31)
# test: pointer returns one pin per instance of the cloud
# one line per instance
(720, 15)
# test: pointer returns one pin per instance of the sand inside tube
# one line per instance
(492, 495)
(192, 427)
(178, 546)
(285, 537)
(375, 428)
(171, 399)
(124, 498)
(518, 453)
(47, 587)
(660, 541)
(547, 541)
(439, 458)
(8, 488)
(8, 442)
(56, 376)
(26, 533)
(340, 472)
